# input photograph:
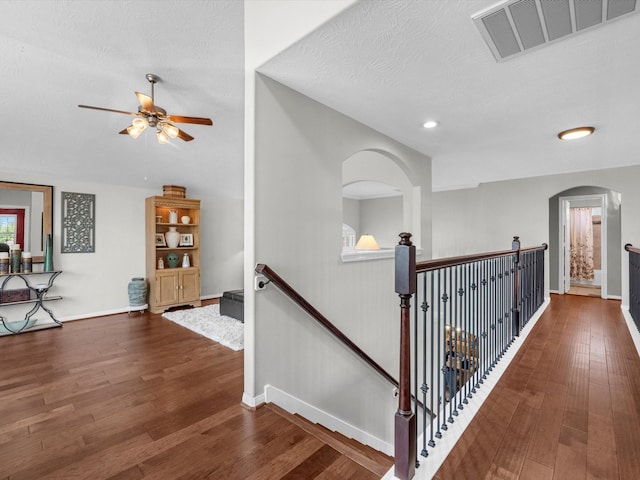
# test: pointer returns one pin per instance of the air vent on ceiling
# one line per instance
(517, 26)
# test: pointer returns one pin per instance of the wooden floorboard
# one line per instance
(130, 398)
(568, 407)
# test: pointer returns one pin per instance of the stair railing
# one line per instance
(634, 283)
(468, 312)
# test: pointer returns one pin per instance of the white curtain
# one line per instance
(581, 244)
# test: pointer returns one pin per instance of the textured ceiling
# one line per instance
(394, 64)
(389, 64)
(58, 54)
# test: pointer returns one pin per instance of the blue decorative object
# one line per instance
(48, 254)
(137, 290)
(173, 260)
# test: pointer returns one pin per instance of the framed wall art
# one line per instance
(186, 239)
(160, 241)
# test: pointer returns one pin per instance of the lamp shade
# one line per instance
(162, 137)
(170, 130)
(367, 242)
(134, 131)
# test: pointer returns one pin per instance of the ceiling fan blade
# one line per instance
(146, 101)
(196, 120)
(107, 109)
(184, 136)
(124, 132)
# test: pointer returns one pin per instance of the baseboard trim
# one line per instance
(209, 297)
(631, 325)
(116, 311)
(103, 313)
(614, 297)
(294, 405)
(430, 465)
(253, 402)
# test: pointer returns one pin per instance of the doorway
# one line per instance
(583, 241)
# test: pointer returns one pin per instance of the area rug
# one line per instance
(208, 322)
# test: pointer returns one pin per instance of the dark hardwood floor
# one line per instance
(143, 398)
(568, 407)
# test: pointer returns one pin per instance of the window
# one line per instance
(12, 226)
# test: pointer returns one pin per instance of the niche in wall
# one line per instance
(377, 199)
(373, 208)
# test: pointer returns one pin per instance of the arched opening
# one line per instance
(602, 207)
(378, 199)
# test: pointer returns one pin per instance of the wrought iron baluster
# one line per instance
(432, 442)
(441, 393)
(416, 356)
(450, 373)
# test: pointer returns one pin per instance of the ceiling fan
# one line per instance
(151, 115)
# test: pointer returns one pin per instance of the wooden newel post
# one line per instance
(405, 419)
(515, 310)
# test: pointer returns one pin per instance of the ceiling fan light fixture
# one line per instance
(151, 115)
(134, 131)
(574, 133)
(162, 137)
(140, 122)
(170, 130)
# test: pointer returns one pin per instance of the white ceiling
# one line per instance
(390, 64)
(394, 64)
(58, 54)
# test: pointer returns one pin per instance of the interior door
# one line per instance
(566, 218)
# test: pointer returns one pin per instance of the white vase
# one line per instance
(172, 237)
(173, 216)
(185, 261)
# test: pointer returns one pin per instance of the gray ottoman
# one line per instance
(232, 304)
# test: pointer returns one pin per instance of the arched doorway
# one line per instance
(608, 276)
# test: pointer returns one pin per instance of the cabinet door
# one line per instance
(190, 285)
(167, 287)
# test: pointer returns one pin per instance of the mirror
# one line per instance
(31, 207)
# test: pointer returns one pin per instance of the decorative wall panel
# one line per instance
(78, 222)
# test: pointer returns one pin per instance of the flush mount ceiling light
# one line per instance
(574, 133)
(430, 124)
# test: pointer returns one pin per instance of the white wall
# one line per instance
(96, 283)
(269, 27)
(351, 213)
(380, 217)
(486, 218)
(300, 147)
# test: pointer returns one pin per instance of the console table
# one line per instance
(34, 293)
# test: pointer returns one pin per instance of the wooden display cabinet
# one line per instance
(171, 287)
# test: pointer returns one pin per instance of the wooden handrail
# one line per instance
(428, 265)
(274, 278)
(630, 248)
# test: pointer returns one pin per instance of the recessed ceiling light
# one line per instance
(574, 133)
(430, 124)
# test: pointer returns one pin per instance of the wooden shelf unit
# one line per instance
(171, 287)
